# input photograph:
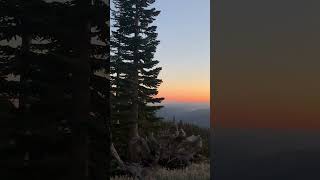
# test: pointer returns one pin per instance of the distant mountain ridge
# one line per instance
(194, 113)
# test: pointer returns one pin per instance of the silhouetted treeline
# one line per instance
(58, 85)
(54, 90)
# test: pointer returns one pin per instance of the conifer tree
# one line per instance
(100, 90)
(119, 83)
(135, 72)
(18, 29)
(87, 36)
(37, 88)
(55, 42)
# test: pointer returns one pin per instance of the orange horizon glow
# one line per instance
(186, 99)
(191, 95)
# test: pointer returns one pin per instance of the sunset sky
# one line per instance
(184, 50)
(266, 64)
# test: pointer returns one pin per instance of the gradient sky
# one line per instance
(184, 51)
(267, 64)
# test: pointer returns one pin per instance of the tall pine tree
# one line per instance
(135, 73)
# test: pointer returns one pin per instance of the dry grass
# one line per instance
(194, 172)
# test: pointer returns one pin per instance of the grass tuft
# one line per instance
(193, 172)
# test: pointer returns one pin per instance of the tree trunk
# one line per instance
(23, 70)
(25, 48)
(115, 154)
(133, 124)
(80, 118)
(81, 100)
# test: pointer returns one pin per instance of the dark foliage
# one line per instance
(48, 52)
(134, 71)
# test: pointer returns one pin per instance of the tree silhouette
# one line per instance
(134, 69)
(54, 61)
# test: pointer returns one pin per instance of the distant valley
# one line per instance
(194, 113)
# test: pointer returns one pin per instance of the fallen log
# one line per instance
(173, 151)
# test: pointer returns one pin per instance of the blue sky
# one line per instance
(184, 51)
